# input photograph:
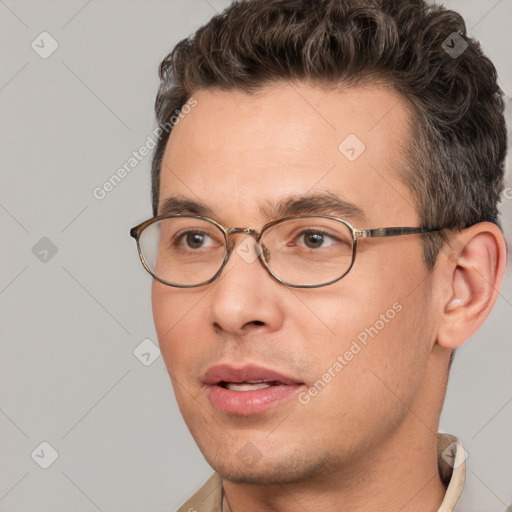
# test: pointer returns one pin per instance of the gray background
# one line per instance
(70, 323)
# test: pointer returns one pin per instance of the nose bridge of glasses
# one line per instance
(246, 231)
(261, 249)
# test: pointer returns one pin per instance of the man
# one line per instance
(308, 348)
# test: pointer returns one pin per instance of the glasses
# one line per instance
(187, 251)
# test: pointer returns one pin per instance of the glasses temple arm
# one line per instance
(395, 231)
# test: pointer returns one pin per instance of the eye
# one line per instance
(315, 239)
(194, 240)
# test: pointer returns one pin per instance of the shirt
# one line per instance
(452, 469)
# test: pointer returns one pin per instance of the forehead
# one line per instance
(239, 152)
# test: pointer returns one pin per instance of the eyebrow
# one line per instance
(178, 205)
(325, 203)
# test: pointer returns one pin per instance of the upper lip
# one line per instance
(228, 373)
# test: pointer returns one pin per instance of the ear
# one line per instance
(472, 275)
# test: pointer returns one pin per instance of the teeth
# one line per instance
(273, 383)
(247, 386)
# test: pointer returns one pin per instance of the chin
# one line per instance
(293, 468)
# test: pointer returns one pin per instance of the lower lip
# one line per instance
(245, 403)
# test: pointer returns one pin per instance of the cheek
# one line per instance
(367, 372)
(162, 302)
(177, 315)
(376, 319)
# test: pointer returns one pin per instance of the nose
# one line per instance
(245, 296)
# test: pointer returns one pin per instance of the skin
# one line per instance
(368, 439)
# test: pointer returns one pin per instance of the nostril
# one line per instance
(257, 322)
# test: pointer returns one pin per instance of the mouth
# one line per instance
(250, 385)
(249, 389)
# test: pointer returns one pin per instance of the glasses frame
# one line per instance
(136, 232)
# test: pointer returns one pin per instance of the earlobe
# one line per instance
(475, 274)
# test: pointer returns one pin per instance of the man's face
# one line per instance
(241, 156)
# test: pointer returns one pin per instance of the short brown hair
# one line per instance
(454, 164)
